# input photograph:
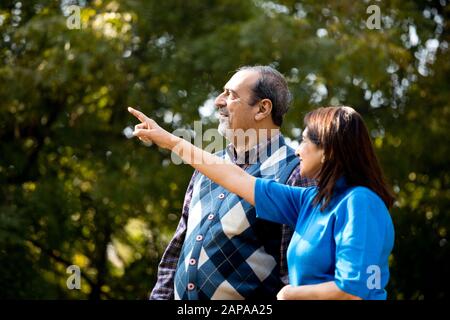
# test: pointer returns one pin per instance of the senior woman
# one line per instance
(343, 230)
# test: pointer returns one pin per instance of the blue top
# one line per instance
(348, 243)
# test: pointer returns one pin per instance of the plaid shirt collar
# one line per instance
(254, 154)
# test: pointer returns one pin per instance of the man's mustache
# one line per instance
(223, 111)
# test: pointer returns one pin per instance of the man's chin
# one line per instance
(225, 132)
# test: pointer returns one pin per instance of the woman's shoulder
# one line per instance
(361, 194)
(363, 205)
(359, 204)
(308, 192)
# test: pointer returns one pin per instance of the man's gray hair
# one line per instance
(273, 86)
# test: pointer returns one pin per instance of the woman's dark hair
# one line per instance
(348, 151)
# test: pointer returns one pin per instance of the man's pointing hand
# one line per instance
(149, 131)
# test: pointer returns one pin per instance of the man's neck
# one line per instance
(243, 144)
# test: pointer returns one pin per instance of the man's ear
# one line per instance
(264, 109)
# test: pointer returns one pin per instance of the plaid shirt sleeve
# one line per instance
(164, 287)
(295, 179)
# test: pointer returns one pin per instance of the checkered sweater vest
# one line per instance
(228, 253)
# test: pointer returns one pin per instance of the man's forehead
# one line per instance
(242, 78)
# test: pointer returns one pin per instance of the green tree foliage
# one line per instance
(75, 190)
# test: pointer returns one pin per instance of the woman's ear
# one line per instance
(264, 109)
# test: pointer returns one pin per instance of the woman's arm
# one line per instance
(322, 291)
(228, 175)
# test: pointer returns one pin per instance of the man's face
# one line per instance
(235, 112)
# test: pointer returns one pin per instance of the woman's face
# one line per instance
(311, 156)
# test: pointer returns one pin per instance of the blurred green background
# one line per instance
(75, 190)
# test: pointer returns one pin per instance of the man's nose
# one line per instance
(220, 101)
